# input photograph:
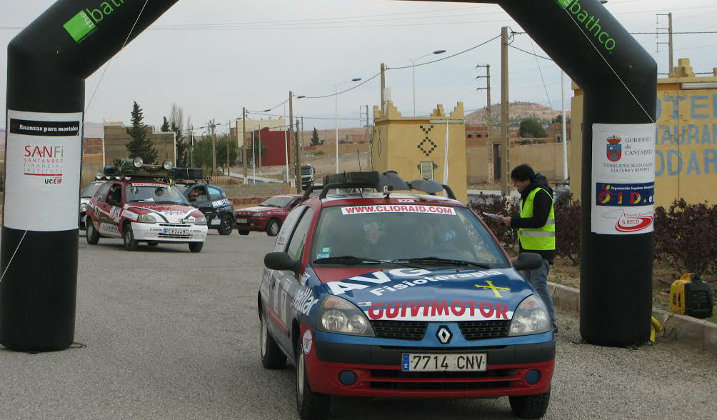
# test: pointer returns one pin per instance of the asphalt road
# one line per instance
(172, 334)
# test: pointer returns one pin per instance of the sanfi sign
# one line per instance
(85, 21)
(587, 19)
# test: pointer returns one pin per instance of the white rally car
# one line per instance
(144, 211)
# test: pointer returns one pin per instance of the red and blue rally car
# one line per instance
(389, 294)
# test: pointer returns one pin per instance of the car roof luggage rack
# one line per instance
(382, 182)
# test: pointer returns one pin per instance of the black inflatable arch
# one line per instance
(48, 63)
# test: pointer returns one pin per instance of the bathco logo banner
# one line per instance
(86, 21)
(588, 21)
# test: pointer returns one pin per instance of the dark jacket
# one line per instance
(541, 210)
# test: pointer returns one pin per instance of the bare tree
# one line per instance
(176, 122)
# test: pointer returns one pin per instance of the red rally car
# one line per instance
(144, 211)
(395, 294)
(266, 217)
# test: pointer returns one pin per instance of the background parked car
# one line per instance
(268, 216)
(212, 201)
(85, 196)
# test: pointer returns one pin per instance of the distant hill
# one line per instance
(518, 112)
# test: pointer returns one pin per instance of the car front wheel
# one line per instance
(130, 244)
(271, 355)
(196, 246)
(226, 225)
(272, 229)
(309, 404)
(530, 406)
(93, 237)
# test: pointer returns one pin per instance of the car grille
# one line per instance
(391, 379)
(482, 330)
(175, 225)
(399, 330)
(164, 235)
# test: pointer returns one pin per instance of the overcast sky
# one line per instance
(214, 56)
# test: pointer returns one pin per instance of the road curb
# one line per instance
(684, 329)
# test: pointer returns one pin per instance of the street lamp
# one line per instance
(336, 114)
(413, 79)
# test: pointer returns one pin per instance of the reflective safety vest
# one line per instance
(537, 239)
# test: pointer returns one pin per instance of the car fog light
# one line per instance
(347, 378)
(137, 162)
(532, 377)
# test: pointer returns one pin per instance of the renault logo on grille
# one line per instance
(444, 334)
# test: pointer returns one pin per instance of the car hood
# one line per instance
(164, 213)
(255, 209)
(425, 294)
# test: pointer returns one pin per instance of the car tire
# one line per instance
(226, 225)
(271, 355)
(272, 229)
(196, 246)
(130, 244)
(152, 243)
(530, 406)
(310, 405)
(243, 232)
(93, 237)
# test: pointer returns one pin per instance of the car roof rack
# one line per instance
(382, 182)
(310, 189)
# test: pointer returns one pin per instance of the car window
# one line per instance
(214, 193)
(90, 190)
(298, 238)
(114, 198)
(101, 194)
(153, 193)
(283, 237)
(277, 201)
(387, 232)
(198, 194)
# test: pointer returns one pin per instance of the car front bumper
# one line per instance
(155, 232)
(378, 373)
(251, 223)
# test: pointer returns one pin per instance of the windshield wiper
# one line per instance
(443, 261)
(347, 260)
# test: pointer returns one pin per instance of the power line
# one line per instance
(530, 53)
(343, 91)
(447, 57)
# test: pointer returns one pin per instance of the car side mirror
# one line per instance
(528, 261)
(280, 261)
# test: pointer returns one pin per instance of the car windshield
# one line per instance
(306, 171)
(433, 234)
(90, 190)
(277, 201)
(154, 193)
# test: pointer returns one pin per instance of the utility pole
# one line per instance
(564, 127)
(292, 139)
(383, 87)
(212, 128)
(669, 40)
(258, 150)
(298, 160)
(504, 112)
(489, 143)
(229, 141)
(243, 144)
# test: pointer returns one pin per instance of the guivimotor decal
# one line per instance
(439, 310)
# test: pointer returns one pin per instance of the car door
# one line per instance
(112, 209)
(290, 240)
(216, 201)
(99, 207)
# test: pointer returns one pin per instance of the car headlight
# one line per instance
(338, 315)
(202, 221)
(83, 207)
(531, 317)
(258, 214)
(146, 218)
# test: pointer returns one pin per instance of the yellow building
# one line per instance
(686, 138)
(415, 147)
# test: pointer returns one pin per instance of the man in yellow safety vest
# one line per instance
(536, 227)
